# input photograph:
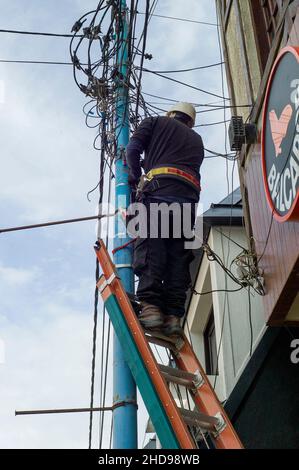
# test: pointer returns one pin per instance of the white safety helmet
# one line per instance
(185, 108)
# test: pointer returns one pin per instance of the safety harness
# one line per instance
(168, 171)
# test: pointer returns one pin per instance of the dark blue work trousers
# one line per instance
(162, 265)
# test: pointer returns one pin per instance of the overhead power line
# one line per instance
(44, 62)
(186, 70)
(181, 19)
(35, 33)
(187, 85)
(212, 123)
(206, 105)
(48, 62)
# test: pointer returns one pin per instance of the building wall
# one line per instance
(242, 56)
(236, 59)
(235, 338)
(250, 46)
(278, 242)
(270, 423)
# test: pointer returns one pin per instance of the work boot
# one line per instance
(172, 326)
(151, 316)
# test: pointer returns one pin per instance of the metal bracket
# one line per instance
(107, 282)
(199, 381)
(124, 403)
(220, 426)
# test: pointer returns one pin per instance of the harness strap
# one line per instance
(175, 172)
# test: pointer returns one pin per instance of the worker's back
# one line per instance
(168, 141)
(173, 155)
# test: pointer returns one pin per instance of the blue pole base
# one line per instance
(124, 388)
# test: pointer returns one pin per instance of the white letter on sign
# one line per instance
(272, 178)
(288, 201)
(294, 167)
(295, 93)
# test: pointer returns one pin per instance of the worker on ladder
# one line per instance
(173, 156)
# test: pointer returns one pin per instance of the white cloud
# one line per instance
(45, 368)
(2, 91)
(2, 351)
(17, 276)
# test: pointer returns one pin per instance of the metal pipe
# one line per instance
(73, 410)
(55, 222)
(61, 410)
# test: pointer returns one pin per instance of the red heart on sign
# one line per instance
(279, 127)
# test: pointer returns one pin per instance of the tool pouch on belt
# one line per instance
(146, 185)
(141, 187)
(142, 182)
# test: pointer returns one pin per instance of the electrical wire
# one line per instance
(267, 238)
(111, 431)
(186, 84)
(102, 361)
(250, 323)
(223, 155)
(104, 393)
(104, 78)
(94, 334)
(227, 271)
(96, 300)
(224, 235)
(34, 33)
(101, 79)
(212, 124)
(216, 290)
(42, 62)
(147, 12)
(196, 105)
(181, 19)
(202, 67)
(103, 386)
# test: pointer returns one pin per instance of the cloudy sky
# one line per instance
(47, 166)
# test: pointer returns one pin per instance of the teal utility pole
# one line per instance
(124, 388)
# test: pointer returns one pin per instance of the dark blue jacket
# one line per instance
(166, 142)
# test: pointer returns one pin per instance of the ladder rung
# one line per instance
(175, 342)
(196, 418)
(170, 339)
(178, 380)
(162, 343)
(178, 376)
(178, 372)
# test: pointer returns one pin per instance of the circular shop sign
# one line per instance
(280, 136)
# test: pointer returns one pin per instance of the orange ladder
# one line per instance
(174, 425)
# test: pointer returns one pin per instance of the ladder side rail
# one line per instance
(115, 288)
(206, 399)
